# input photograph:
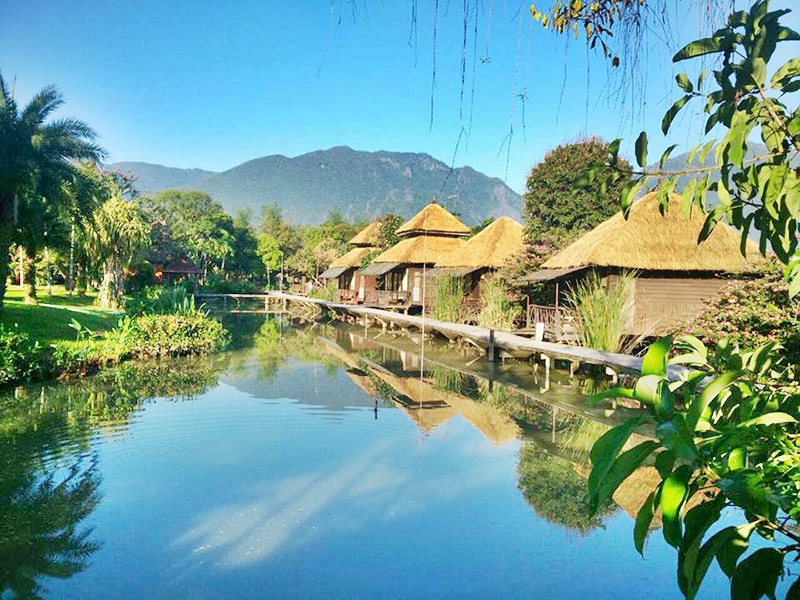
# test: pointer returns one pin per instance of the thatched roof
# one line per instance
(367, 236)
(433, 219)
(492, 247)
(649, 241)
(352, 258)
(419, 250)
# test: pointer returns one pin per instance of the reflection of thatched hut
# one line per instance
(675, 274)
(425, 238)
(483, 254)
(352, 284)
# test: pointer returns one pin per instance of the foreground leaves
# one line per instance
(727, 435)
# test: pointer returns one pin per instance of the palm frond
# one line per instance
(41, 106)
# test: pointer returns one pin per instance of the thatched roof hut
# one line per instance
(434, 220)
(675, 275)
(650, 241)
(426, 238)
(419, 250)
(365, 242)
(367, 236)
(490, 248)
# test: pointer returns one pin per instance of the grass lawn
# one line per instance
(49, 321)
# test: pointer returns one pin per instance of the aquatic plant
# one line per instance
(447, 298)
(603, 309)
(497, 310)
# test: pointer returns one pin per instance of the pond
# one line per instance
(316, 461)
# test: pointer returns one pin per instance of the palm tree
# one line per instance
(116, 234)
(33, 149)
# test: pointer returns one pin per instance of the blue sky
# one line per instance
(213, 84)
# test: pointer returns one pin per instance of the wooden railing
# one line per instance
(346, 296)
(386, 297)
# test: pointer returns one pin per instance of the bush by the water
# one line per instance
(155, 335)
(176, 335)
(20, 356)
(498, 311)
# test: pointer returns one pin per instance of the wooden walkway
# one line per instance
(492, 343)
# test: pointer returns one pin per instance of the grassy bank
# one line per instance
(50, 321)
(65, 334)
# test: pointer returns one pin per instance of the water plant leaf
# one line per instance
(674, 490)
(655, 359)
(643, 520)
(693, 563)
(619, 471)
(757, 575)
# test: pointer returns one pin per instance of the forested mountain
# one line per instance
(361, 185)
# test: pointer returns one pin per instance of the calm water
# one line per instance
(314, 462)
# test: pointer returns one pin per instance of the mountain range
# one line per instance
(361, 185)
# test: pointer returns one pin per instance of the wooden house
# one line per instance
(401, 270)
(674, 275)
(352, 284)
(168, 270)
(480, 256)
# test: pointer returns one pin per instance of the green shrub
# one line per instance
(176, 335)
(161, 300)
(752, 313)
(216, 284)
(447, 298)
(21, 358)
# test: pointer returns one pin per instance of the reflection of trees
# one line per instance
(555, 490)
(275, 344)
(49, 481)
(42, 503)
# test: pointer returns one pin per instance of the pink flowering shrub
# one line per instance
(751, 313)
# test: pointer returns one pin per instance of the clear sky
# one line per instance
(205, 84)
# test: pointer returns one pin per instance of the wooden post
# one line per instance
(490, 350)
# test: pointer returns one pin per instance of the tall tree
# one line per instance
(556, 212)
(191, 222)
(117, 232)
(32, 145)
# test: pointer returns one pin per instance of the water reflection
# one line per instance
(49, 475)
(282, 458)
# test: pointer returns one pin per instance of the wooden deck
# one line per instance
(493, 343)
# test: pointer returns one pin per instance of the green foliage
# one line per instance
(191, 223)
(20, 357)
(556, 491)
(753, 313)
(761, 193)
(176, 335)
(116, 234)
(727, 434)
(175, 300)
(498, 310)
(36, 157)
(387, 237)
(447, 298)
(603, 310)
(555, 211)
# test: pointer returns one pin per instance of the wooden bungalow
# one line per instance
(674, 275)
(169, 270)
(352, 284)
(480, 256)
(401, 270)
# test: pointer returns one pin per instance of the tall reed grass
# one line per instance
(603, 310)
(497, 309)
(447, 298)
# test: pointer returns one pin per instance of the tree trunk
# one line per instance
(30, 275)
(6, 233)
(111, 289)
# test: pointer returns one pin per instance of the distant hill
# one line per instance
(362, 185)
